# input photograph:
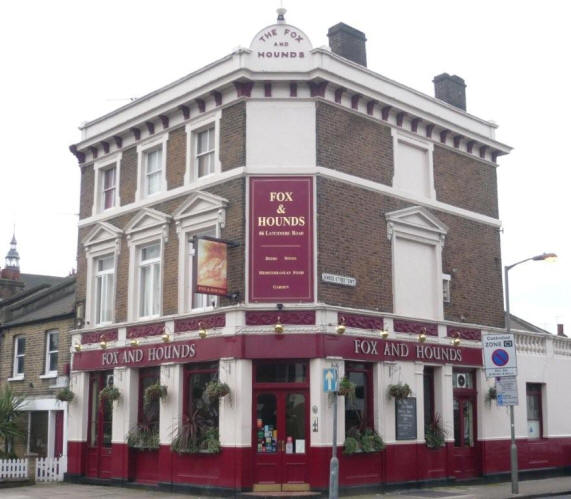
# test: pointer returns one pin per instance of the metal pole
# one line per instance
(334, 464)
(513, 446)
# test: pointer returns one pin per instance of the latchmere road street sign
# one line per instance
(499, 355)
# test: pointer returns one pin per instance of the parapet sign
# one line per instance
(281, 47)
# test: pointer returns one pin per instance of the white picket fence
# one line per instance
(51, 469)
(13, 468)
(48, 469)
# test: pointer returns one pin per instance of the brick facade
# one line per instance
(176, 157)
(87, 191)
(128, 167)
(233, 136)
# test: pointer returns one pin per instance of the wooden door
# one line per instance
(100, 424)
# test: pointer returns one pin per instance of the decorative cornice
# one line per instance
(164, 121)
(217, 97)
(404, 326)
(201, 105)
(98, 336)
(142, 330)
(195, 323)
(243, 88)
(185, 111)
(317, 89)
(360, 321)
(270, 317)
(339, 94)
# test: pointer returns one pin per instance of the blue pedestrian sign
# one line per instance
(330, 380)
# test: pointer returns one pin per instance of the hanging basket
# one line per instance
(109, 393)
(65, 395)
(215, 390)
(399, 391)
(346, 388)
(153, 393)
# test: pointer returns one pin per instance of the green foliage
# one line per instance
(434, 433)
(365, 441)
(153, 393)
(492, 394)
(215, 390)
(346, 388)
(143, 437)
(109, 393)
(65, 395)
(399, 391)
(10, 409)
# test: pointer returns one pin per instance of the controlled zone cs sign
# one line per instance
(499, 355)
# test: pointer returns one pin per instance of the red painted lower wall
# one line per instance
(232, 467)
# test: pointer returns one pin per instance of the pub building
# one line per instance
(279, 213)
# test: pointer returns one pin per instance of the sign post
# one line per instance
(331, 385)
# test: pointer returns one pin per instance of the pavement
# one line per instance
(559, 487)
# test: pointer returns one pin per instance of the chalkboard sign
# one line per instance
(405, 417)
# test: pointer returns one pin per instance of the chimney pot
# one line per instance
(560, 330)
(348, 42)
(450, 89)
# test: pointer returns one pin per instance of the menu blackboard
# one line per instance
(405, 417)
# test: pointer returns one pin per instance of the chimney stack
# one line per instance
(560, 331)
(450, 89)
(348, 42)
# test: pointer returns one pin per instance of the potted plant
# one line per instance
(434, 433)
(143, 437)
(365, 441)
(399, 391)
(215, 390)
(153, 393)
(65, 395)
(109, 393)
(346, 388)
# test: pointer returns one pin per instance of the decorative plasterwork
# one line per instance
(196, 323)
(266, 318)
(464, 333)
(143, 330)
(360, 321)
(103, 234)
(97, 336)
(416, 221)
(148, 219)
(403, 326)
(200, 204)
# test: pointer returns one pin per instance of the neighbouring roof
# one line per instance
(518, 323)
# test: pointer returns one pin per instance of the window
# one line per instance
(153, 171)
(104, 289)
(52, 341)
(359, 410)
(205, 152)
(149, 412)
(149, 280)
(107, 171)
(19, 352)
(197, 409)
(38, 433)
(428, 381)
(534, 410)
(108, 188)
(413, 172)
(446, 288)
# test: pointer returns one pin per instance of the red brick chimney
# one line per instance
(348, 42)
(560, 331)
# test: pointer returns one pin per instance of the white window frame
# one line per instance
(143, 149)
(192, 131)
(104, 240)
(17, 355)
(414, 141)
(446, 297)
(103, 276)
(47, 370)
(150, 265)
(100, 166)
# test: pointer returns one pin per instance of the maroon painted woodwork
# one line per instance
(443, 135)
(483, 151)
(120, 454)
(201, 105)
(495, 155)
(118, 141)
(267, 89)
(371, 107)
(414, 124)
(385, 112)
(145, 330)
(217, 97)
(76, 455)
(457, 139)
(464, 333)
(317, 89)
(470, 145)
(94, 151)
(338, 94)
(98, 336)
(429, 129)
(243, 88)
(355, 101)
(269, 318)
(185, 111)
(293, 89)
(105, 146)
(400, 118)
(164, 121)
(145, 466)
(402, 326)
(360, 321)
(78, 154)
(150, 127)
(136, 132)
(194, 323)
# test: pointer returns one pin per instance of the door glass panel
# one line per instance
(456, 424)
(266, 423)
(107, 422)
(468, 419)
(295, 423)
(283, 372)
(93, 410)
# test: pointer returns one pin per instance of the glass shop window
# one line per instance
(149, 409)
(282, 372)
(359, 409)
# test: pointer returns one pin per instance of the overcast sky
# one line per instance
(69, 61)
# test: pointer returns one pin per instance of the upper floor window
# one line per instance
(205, 152)
(19, 353)
(104, 289)
(152, 167)
(52, 347)
(203, 148)
(109, 187)
(149, 280)
(153, 171)
(107, 183)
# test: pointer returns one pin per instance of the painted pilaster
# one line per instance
(418, 392)
(126, 408)
(444, 399)
(235, 416)
(78, 411)
(171, 406)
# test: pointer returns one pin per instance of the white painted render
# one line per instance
(79, 409)
(125, 410)
(235, 416)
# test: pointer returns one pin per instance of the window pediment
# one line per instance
(416, 221)
(148, 219)
(103, 233)
(199, 205)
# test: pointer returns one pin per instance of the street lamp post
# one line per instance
(513, 447)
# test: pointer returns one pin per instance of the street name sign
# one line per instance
(329, 380)
(499, 355)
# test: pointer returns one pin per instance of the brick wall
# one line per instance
(233, 136)
(465, 182)
(86, 189)
(176, 157)
(366, 152)
(34, 360)
(128, 185)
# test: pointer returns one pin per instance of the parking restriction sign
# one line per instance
(499, 355)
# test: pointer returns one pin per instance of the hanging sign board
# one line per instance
(405, 418)
(499, 355)
(210, 266)
(506, 388)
